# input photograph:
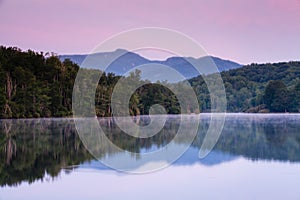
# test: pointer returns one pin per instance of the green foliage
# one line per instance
(276, 96)
(245, 88)
(150, 94)
(294, 98)
(35, 85)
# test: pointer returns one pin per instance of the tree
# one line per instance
(275, 96)
(294, 98)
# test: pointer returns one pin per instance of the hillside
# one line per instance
(36, 85)
(246, 88)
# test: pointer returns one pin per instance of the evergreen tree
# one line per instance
(276, 96)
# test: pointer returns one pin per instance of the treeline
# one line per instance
(141, 100)
(34, 84)
(40, 85)
(257, 88)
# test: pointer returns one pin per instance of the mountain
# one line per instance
(129, 60)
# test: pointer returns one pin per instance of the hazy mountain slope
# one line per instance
(129, 60)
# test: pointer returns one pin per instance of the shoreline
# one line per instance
(192, 114)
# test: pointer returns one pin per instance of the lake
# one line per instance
(256, 157)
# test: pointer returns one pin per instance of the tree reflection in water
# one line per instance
(32, 149)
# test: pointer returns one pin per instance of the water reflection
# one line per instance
(32, 149)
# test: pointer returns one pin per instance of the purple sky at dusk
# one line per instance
(239, 30)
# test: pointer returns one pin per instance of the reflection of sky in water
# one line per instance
(190, 157)
(237, 179)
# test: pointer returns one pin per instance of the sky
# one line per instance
(254, 31)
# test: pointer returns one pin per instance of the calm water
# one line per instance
(256, 157)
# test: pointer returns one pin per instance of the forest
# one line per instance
(257, 88)
(34, 85)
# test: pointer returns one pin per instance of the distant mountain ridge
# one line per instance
(130, 60)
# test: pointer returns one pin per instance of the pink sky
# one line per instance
(239, 30)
